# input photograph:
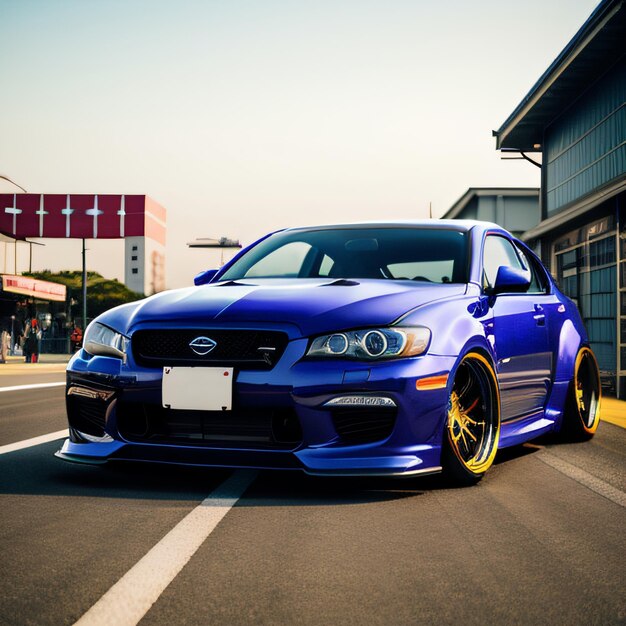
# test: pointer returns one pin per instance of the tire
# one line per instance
(472, 431)
(582, 406)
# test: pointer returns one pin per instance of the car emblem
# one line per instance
(202, 345)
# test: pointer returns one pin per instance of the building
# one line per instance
(144, 257)
(513, 208)
(575, 116)
(23, 298)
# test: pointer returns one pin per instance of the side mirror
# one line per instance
(204, 278)
(511, 280)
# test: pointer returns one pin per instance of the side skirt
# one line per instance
(523, 429)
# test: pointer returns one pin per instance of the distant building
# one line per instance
(23, 298)
(513, 208)
(144, 256)
(575, 115)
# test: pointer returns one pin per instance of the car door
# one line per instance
(520, 336)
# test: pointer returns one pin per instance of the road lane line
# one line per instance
(34, 441)
(131, 597)
(584, 478)
(33, 386)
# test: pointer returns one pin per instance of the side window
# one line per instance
(498, 251)
(538, 282)
(284, 262)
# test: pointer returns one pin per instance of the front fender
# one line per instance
(456, 325)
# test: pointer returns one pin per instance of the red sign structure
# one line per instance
(81, 216)
(32, 287)
(137, 219)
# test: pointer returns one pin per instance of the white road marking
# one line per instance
(33, 386)
(584, 478)
(131, 597)
(34, 441)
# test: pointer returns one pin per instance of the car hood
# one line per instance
(311, 305)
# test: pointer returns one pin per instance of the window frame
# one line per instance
(483, 283)
(536, 268)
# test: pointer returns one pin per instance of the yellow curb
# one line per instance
(613, 411)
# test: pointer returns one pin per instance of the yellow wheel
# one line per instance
(473, 427)
(582, 408)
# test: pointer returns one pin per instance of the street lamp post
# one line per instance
(222, 243)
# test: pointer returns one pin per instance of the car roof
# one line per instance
(461, 225)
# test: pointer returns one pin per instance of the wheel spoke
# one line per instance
(471, 407)
(465, 428)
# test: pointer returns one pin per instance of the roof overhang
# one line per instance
(581, 207)
(598, 45)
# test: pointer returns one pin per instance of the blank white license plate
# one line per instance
(198, 388)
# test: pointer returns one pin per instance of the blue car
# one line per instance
(393, 349)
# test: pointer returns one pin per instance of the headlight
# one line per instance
(102, 340)
(372, 343)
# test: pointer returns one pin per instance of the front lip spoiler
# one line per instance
(376, 473)
(81, 460)
(88, 460)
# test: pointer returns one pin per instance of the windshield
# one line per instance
(408, 253)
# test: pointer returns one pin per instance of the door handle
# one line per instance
(540, 317)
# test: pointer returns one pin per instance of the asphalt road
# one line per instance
(540, 540)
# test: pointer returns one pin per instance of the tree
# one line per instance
(102, 293)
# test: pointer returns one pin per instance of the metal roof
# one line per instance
(474, 192)
(599, 44)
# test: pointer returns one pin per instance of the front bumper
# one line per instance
(412, 445)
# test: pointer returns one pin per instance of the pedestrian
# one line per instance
(76, 338)
(5, 341)
(32, 336)
(24, 343)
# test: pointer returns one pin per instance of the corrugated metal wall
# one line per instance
(586, 145)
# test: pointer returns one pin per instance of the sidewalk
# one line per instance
(47, 363)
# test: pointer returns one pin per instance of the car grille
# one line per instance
(245, 349)
(249, 428)
(360, 425)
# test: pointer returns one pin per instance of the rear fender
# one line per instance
(570, 341)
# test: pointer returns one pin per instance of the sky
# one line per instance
(241, 117)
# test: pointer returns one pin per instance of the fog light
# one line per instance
(92, 394)
(106, 438)
(380, 401)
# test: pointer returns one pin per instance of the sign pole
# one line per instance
(84, 287)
